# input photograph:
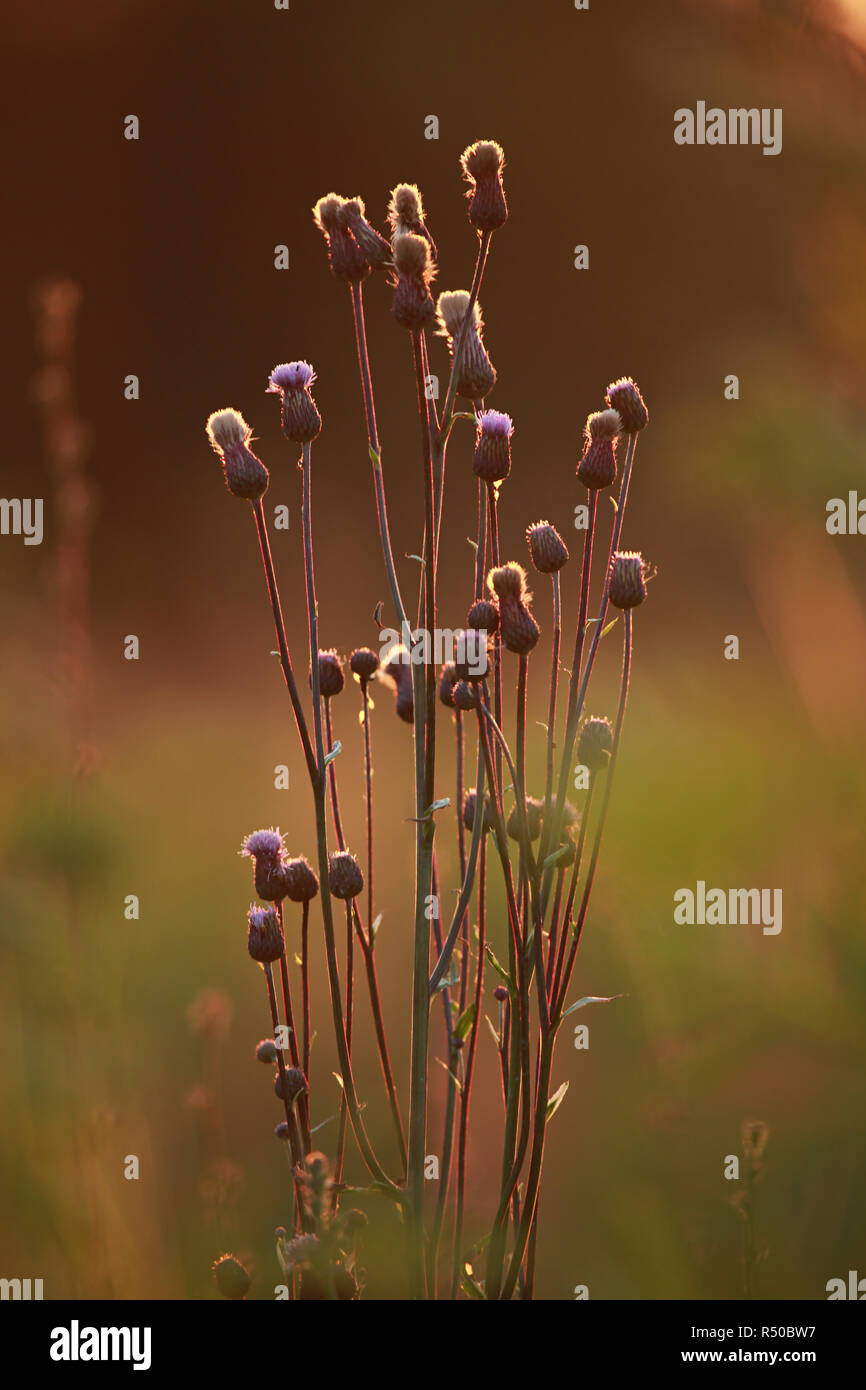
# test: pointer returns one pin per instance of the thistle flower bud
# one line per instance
(500, 993)
(482, 167)
(534, 809)
(345, 257)
(546, 546)
(627, 579)
(229, 434)
(374, 247)
(398, 671)
(301, 883)
(624, 397)
(471, 657)
(270, 880)
(232, 1279)
(469, 801)
(447, 681)
(477, 374)
(295, 1084)
(265, 848)
(364, 663)
(597, 467)
(265, 937)
(266, 1051)
(484, 616)
(492, 458)
(345, 878)
(331, 678)
(595, 744)
(282, 1131)
(517, 627)
(465, 695)
(406, 214)
(300, 414)
(413, 305)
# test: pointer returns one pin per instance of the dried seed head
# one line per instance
(266, 1051)
(492, 459)
(477, 375)
(471, 660)
(331, 677)
(508, 582)
(595, 744)
(482, 167)
(447, 681)
(345, 878)
(483, 615)
(465, 695)
(364, 663)
(469, 801)
(295, 1084)
(229, 434)
(300, 415)
(597, 467)
(413, 305)
(263, 844)
(627, 579)
(451, 307)
(265, 936)
(406, 214)
(500, 993)
(534, 809)
(301, 883)
(625, 398)
(232, 1279)
(397, 670)
(546, 546)
(346, 259)
(373, 246)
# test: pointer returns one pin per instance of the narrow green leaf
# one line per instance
(465, 1022)
(450, 1073)
(375, 927)
(557, 855)
(496, 1037)
(500, 969)
(375, 459)
(334, 753)
(591, 999)
(605, 630)
(556, 1100)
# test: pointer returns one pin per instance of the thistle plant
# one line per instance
(523, 847)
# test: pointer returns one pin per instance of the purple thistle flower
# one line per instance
(263, 844)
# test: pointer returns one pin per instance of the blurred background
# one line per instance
(156, 257)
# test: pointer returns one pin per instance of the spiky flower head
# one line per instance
(345, 257)
(546, 546)
(508, 582)
(232, 1278)
(331, 677)
(625, 398)
(302, 884)
(413, 305)
(465, 695)
(265, 936)
(595, 744)
(470, 801)
(345, 878)
(476, 375)
(351, 217)
(597, 466)
(482, 165)
(230, 435)
(627, 579)
(492, 458)
(364, 663)
(484, 616)
(406, 214)
(290, 1084)
(534, 809)
(447, 682)
(263, 844)
(300, 415)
